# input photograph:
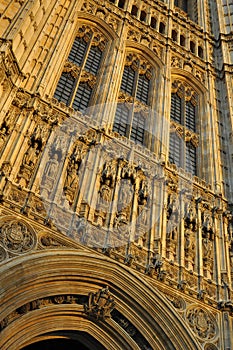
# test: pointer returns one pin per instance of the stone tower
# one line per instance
(116, 178)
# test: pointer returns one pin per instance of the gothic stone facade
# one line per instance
(116, 178)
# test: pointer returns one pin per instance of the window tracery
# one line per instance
(133, 99)
(183, 117)
(79, 76)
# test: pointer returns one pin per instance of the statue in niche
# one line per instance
(3, 135)
(28, 163)
(30, 156)
(109, 174)
(51, 167)
(72, 179)
(125, 194)
(49, 176)
(143, 192)
(72, 175)
(207, 246)
(173, 217)
(189, 245)
(207, 225)
(190, 217)
(105, 194)
(40, 133)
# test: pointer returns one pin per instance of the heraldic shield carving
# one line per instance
(100, 304)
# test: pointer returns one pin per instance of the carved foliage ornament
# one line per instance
(94, 35)
(16, 237)
(138, 63)
(184, 90)
(201, 322)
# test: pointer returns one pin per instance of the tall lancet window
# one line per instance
(183, 134)
(133, 100)
(79, 76)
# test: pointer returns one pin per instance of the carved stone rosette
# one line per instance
(16, 237)
(201, 322)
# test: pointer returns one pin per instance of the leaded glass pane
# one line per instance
(143, 88)
(78, 50)
(93, 60)
(127, 82)
(175, 149)
(190, 116)
(121, 120)
(82, 97)
(176, 108)
(191, 158)
(138, 128)
(65, 88)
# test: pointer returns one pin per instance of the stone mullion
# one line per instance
(163, 146)
(21, 136)
(47, 83)
(113, 80)
(217, 253)
(7, 152)
(199, 250)
(90, 180)
(181, 238)
(87, 181)
(33, 185)
(163, 228)
(157, 241)
(113, 207)
(134, 214)
(227, 247)
(213, 168)
(59, 195)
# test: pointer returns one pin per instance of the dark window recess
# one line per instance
(121, 120)
(162, 28)
(134, 11)
(65, 88)
(82, 97)
(174, 35)
(143, 16)
(192, 47)
(121, 4)
(78, 50)
(143, 88)
(176, 108)
(182, 40)
(127, 83)
(93, 60)
(200, 52)
(138, 128)
(153, 22)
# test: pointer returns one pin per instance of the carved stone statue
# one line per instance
(30, 156)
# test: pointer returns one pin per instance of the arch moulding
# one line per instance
(40, 277)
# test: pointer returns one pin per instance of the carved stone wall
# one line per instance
(69, 182)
